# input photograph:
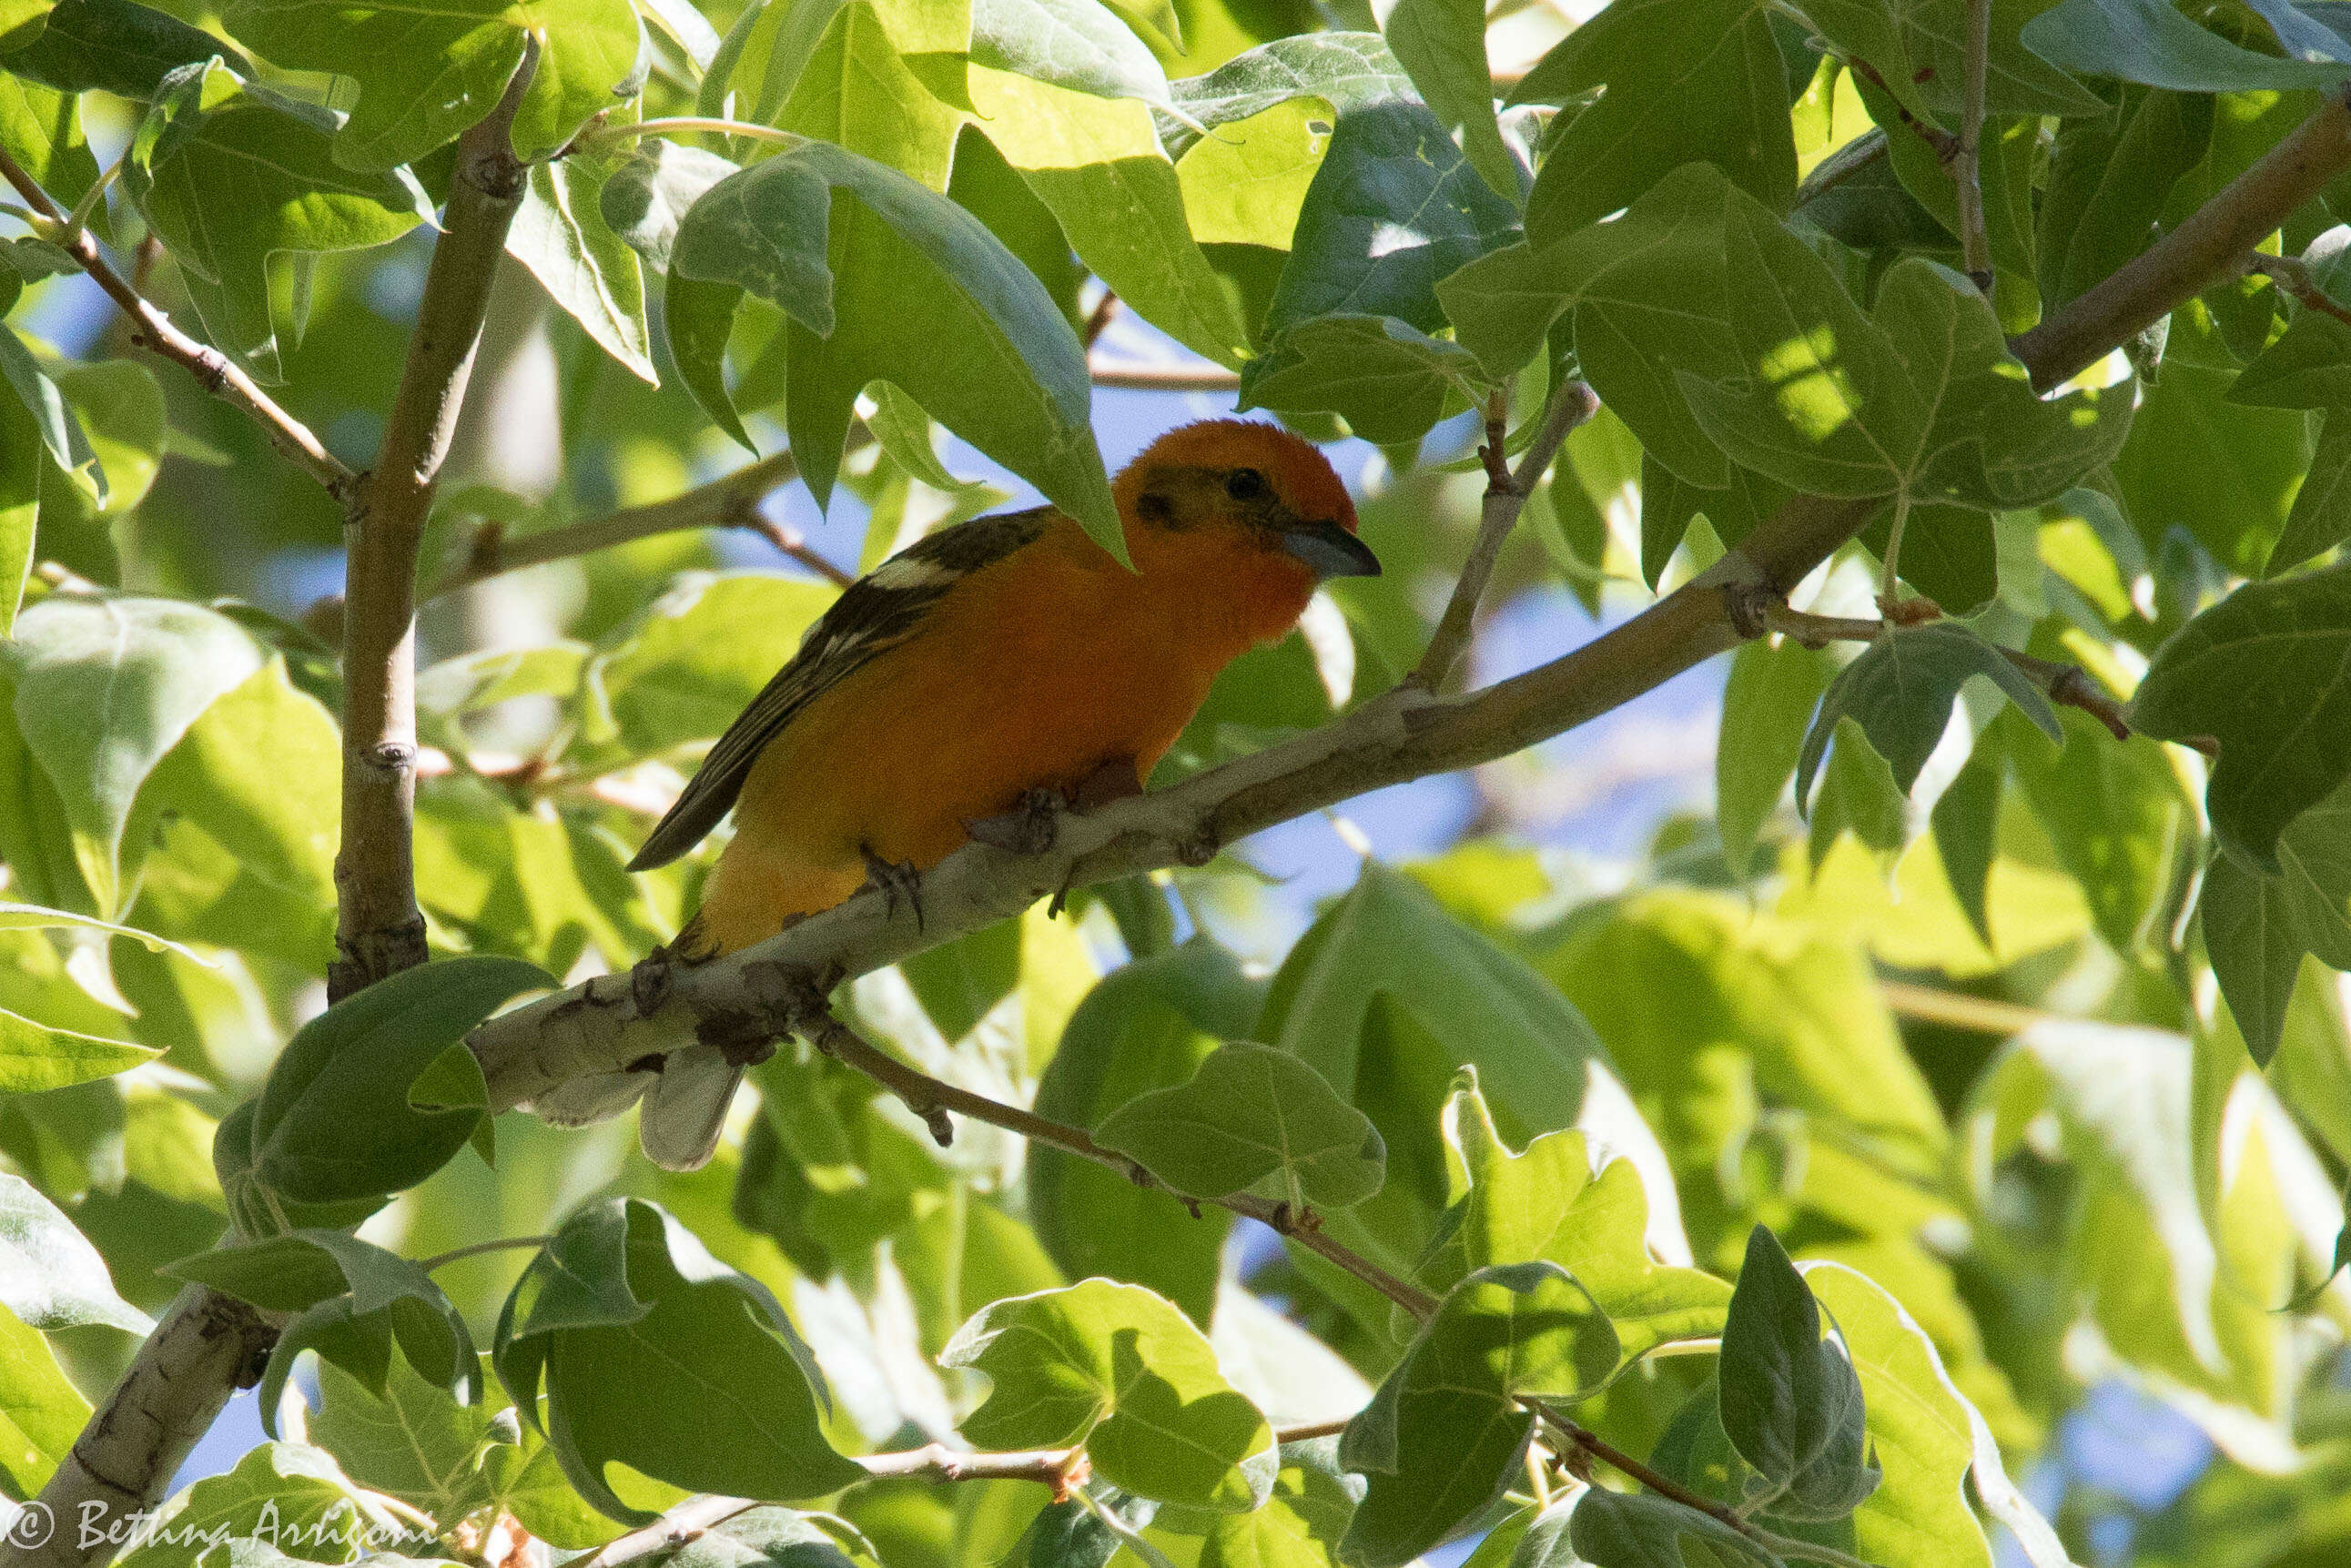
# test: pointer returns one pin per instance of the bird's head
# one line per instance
(1239, 487)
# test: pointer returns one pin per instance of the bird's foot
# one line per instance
(1028, 828)
(896, 880)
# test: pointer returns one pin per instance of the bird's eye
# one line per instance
(1245, 484)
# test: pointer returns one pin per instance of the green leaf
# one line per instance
(1445, 1433)
(2303, 368)
(1301, 1523)
(772, 1537)
(1646, 293)
(211, 146)
(116, 47)
(1079, 45)
(559, 233)
(290, 1490)
(2150, 41)
(61, 431)
(1770, 694)
(1388, 380)
(1686, 80)
(2267, 674)
(1390, 170)
(1120, 1371)
(1547, 1205)
(426, 73)
(2118, 817)
(388, 1296)
(36, 1057)
(1833, 408)
(411, 1441)
(1252, 1117)
(1923, 1433)
(50, 1276)
(697, 657)
(41, 1412)
(656, 1356)
(1792, 1403)
(2109, 177)
(1096, 163)
(282, 822)
(1146, 1026)
(334, 1121)
(1927, 65)
(2256, 947)
(1901, 690)
(1442, 44)
(648, 194)
(1387, 997)
(1993, 443)
(1635, 1530)
(40, 124)
(1349, 71)
(968, 333)
(104, 689)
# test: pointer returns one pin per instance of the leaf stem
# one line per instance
(473, 1249)
(1890, 584)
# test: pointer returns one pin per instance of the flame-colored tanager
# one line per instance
(1002, 656)
(1005, 654)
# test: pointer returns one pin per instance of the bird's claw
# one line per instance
(1028, 828)
(896, 880)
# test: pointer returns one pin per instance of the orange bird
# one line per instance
(1006, 654)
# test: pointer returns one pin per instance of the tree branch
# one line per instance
(2210, 242)
(153, 331)
(207, 1346)
(1506, 496)
(789, 1001)
(1967, 169)
(730, 501)
(379, 930)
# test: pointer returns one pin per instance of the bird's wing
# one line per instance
(876, 612)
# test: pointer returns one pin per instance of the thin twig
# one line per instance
(1163, 378)
(1967, 169)
(1982, 1015)
(730, 501)
(1506, 496)
(2068, 685)
(800, 1007)
(1099, 318)
(212, 370)
(1061, 1468)
(474, 1249)
(2293, 275)
(1577, 1437)
(378, 929)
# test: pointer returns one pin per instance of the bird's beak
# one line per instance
(1330, 549)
